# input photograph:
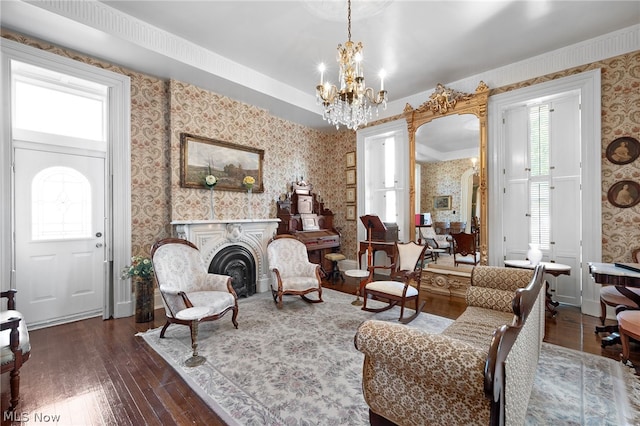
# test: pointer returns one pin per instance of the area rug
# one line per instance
(299, 366)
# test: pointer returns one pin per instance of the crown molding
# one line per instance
(617, 43)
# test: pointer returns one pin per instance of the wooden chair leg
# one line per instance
(625, 346)
(14, 383)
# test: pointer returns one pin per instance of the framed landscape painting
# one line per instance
(229, 163)
(442, 202)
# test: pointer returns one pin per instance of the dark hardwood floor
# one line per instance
(97, 372)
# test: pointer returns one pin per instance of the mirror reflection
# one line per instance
(446, 153)
(448, 164)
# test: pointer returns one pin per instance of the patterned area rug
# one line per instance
(299, 366)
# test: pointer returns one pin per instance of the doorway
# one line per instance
(96, 158)
(59, 227)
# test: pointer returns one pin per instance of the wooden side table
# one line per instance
(551, 268)
(363, 275)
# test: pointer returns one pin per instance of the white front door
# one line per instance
(59, 232)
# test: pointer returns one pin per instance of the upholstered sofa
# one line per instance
(479, 370)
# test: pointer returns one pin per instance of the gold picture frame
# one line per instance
(351, 159)
(351, 177)
(228, 162)
(351, 212)
(351, 194)
(442, 202)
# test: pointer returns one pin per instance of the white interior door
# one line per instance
(59, 232)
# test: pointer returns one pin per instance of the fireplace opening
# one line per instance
(237, 262)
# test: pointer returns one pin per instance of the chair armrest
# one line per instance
(434, 358)
(310, 269)
(217, 282)
(11, 301)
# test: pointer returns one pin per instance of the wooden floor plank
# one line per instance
(100, 368)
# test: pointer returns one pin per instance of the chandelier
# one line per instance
(351, 104)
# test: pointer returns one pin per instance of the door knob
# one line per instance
(99, 245)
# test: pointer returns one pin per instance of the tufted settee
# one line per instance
(479, 370)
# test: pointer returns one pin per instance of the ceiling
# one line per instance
(266, 53)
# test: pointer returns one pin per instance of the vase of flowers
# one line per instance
(210, 182)
(141, 273)
(248, 183)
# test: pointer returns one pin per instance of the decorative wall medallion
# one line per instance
(623, 194)
(623, 150)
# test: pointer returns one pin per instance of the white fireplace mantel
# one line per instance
(211, 236)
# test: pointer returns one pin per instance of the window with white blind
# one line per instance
(540, 177)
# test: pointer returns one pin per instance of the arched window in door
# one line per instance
(60, 204)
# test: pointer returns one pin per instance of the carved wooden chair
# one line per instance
(404, 286)
(14, 345)
(457, 227)
(464, 249)
(293, 273)
(441, 228)
(185, 282)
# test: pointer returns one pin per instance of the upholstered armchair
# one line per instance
(15, 346)
(293, 273)
(435, 240)
(184, 282)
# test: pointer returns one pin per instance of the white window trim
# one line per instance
(589, 85)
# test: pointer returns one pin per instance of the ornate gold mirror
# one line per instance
(438, 122)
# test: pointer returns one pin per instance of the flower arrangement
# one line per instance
(210, 180)
(248, 182)
(140, 267)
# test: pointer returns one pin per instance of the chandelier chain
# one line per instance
(349, 20)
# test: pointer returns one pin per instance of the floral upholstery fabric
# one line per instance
(413, 377)
(289, 256)
(509, 279)
(525, 352)
(440, 241)
(492, 287)
(179, 268)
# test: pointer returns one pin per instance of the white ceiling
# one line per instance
(266, 52)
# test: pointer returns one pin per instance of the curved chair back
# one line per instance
(410, 256)
(177, 265)
(464, 249)
(288, 255)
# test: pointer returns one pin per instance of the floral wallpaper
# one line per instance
(442, 178)
(161, 110)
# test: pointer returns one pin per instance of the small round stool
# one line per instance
(194, 315)
(335, 270)
(628, 326)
